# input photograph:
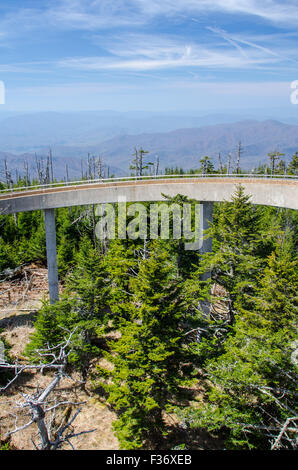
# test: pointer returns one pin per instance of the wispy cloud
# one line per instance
(238, 41)
(92, 15)
(276, 11)
(148, 52)
(208, 59)
(142, 52)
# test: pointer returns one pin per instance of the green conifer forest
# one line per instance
(231, 372)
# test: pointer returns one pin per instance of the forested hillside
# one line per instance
(136, 311)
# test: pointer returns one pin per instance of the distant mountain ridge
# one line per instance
(185, 147)
(182, 147)
(35, 132)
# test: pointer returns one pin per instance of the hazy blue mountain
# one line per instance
(185, 147)
(36, 132)
(181, 147)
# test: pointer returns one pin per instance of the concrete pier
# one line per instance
(206, 218)
(50, 227)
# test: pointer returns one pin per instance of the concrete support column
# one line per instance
(206, 218)
(50, 227)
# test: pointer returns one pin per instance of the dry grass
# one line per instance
(93, 416)
(16, 317)
(17, 337)
(24, 291)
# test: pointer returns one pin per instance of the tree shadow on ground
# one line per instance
(192, 439)
(14, 321)
(180, 438)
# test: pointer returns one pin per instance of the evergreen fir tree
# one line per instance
(206, 166)
(54, 324)
(89, 280)
(239, 246)
(277, 299)
(83, 308)
(151, 362)
(122, 265)
(251, 387)
(293, 165)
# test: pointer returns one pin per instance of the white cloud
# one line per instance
(92, 15)
(271, 10)
(26, 68)
(96, 14)
(239, 41)
(207, 59)
(143, 52)
(148, 52)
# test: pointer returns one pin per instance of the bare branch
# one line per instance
(37, 402)
(285, 428)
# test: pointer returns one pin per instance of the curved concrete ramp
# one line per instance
(265, 191)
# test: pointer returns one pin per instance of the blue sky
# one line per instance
(154, 55)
